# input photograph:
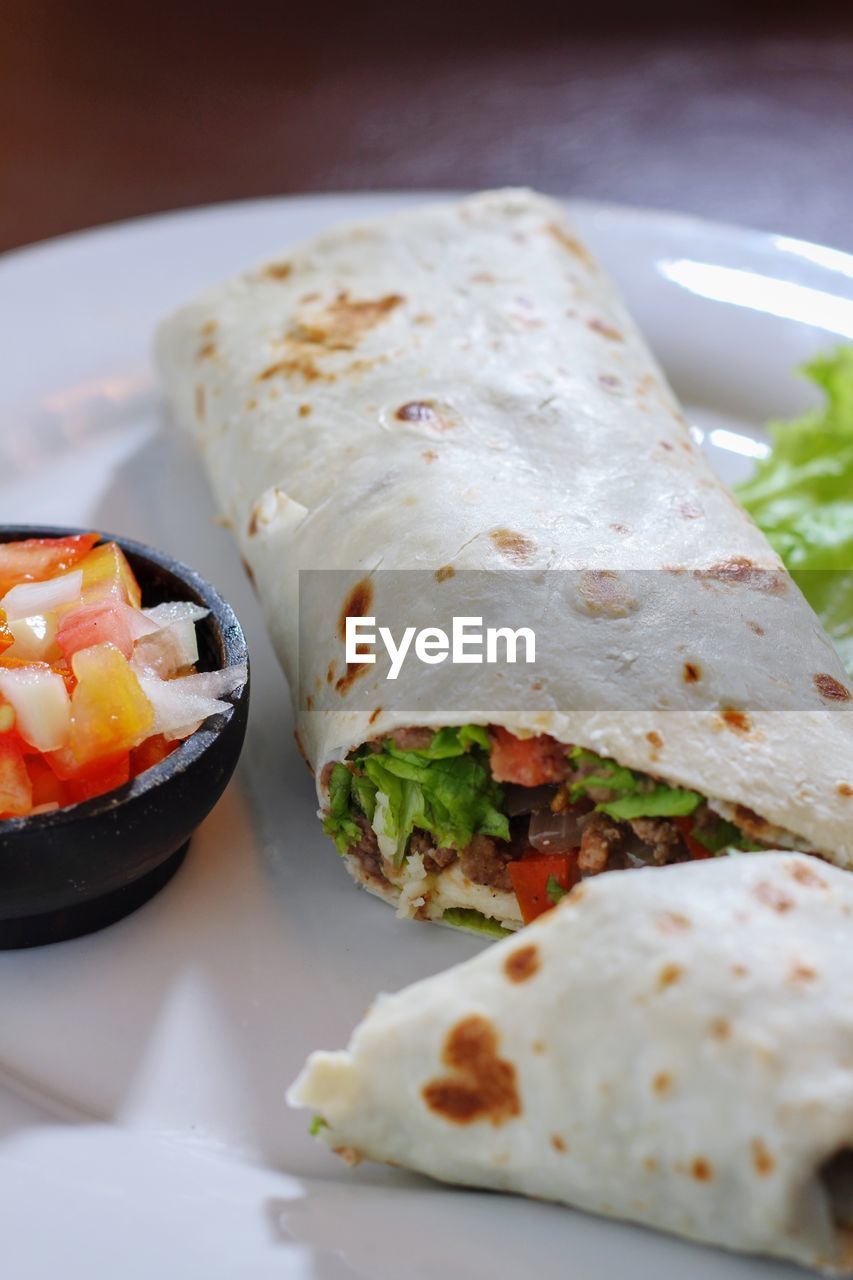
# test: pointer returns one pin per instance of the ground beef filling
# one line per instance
(602, 843)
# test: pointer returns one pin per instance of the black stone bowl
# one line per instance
(75, 870)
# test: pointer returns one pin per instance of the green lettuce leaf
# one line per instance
(445, 788)
(339, 823)
(638, 798)
(801, 496)
(662, 802)
(468, 918)
(555, 890)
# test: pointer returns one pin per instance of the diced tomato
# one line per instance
(99, 778)
(47, 789)
(106, 572)
(36, 559)
(16, 793)
(695, 847)
(530, 881)
(99, 622)
(150, 752)
(109, 712)
(530, 762)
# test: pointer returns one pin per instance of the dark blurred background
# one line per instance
(741, 112)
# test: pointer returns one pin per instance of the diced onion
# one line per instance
(39, 698)
(550, 832)
(176, 611)
(181, 705)
(30, 598)
(168, 650)
(34, 637)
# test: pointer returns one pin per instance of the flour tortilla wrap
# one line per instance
(457, 392)
(673, 1047)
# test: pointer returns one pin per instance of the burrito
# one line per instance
(446, 414)
(696, 1078)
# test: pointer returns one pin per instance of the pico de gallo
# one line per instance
(94, 686)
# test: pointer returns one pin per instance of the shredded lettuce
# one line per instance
(639, 798)
(801, 496)
(317, 1123)
(468, 918)
(445, 788)
(339, 824)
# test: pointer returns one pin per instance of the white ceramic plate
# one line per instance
(142, 1126)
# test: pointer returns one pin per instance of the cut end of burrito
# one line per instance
(697, 1079)
(475, 827)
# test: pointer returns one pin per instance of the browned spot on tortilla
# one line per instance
(741, 570)
(348, 679)
(620, 528)
(831, 689)
(610, 380)
(762, 1161)
(276, 271)
(773, 897)
(429, 455)
(427, 414)
(483, 1085)
(673, 922)
(739, 971)
(515, 546)
(206, 350)
(309, 702)
(253, 523)
(536, 686)
(522, 964)
(344, 322)
(310, 297)
(720, 1028)
(199, 403)
(689, 510)
(356, 604)
(664, 444)
(603, 591)
(691, 672)
(571, 244)
(538, 1046)
(251, 404)
(756, 627)
(305, 366)
(208, 328)
(736, 720)
(558, 1143)
(662, 1083)
(606, 330)
(655, 741)
(330, 673)
(304, 410)
(482, 277)
(701, 1169)
(374, 715)
(844, 789)
(801, 973)
(349, 1155)
(804, 875)
(650, 1164)
(423, 317)
(446, 571)
(247, 569)
(669, 975)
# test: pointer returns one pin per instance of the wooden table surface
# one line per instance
(110, 110)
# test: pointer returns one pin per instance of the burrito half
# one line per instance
(672, 1047)
(445, 413)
